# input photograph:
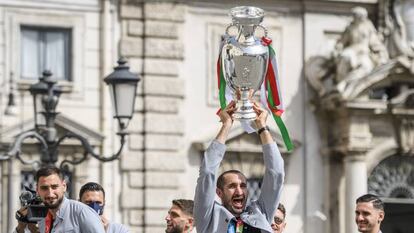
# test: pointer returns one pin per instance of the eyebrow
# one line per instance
(90, 201)
(51, 185)
(236, 183)
(174, 213)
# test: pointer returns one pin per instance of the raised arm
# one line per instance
(274, 167)
(206, 183)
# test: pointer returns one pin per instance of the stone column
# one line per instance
(355, 186)
(151, 168)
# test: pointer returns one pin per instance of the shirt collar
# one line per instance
(61, 212)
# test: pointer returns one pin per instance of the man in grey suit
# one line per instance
(232, 215)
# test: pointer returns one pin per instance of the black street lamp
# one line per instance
(46, 93)
(123, 86)
(44, 103)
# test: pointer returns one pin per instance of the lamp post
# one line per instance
(46, 93)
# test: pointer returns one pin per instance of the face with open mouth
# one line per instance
(234, 193)
(368, 218)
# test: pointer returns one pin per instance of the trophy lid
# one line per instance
(247, 15)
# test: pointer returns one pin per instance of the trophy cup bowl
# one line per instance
(244, 59)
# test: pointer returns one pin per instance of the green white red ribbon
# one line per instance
(221, 83)
(274, 98)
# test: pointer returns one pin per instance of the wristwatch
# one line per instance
(263, 129)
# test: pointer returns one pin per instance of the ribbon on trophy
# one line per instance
(274, 97)
(270, 95)
(222, 85)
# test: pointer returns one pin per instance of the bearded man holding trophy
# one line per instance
(246, 64)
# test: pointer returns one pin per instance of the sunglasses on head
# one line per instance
(278, 220)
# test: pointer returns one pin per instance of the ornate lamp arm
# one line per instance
(16, 146)
(74, 161)
(89, 150)
(35, 163)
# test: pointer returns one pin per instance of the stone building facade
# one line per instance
(343, 146)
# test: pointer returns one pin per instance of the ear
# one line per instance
(381, 216)
(190, 224)
(219, 192)
(64, 185)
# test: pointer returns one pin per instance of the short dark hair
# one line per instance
(220, 179)
(47, 171)
(375, 200)
(91, 186)
(185, 205)
(282, 209)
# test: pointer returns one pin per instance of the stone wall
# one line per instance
(151, 42)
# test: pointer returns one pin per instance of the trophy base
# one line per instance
(244, 109)
(244, 116)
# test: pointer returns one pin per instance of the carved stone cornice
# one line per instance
(355, 156)
(291, 6)
(344, 125)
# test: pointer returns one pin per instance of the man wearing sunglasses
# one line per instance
(279, 224)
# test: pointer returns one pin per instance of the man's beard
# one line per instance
(176, 229)
(56, 205)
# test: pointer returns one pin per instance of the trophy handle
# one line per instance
(230, 26)
(264, 29)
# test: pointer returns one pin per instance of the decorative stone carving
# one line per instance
(319, 70)
(407, 135)
(357, 53)
(401, 108)
(359, 49)
(363, 100)
(399, 32)
(393, 177)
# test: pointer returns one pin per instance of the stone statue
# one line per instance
(359, 49)
(359, 52)
(399, 31)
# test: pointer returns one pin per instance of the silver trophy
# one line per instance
(244, 58)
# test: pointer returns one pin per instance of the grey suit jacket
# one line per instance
(212, 217)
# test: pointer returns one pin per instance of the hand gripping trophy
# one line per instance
(246, 64)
